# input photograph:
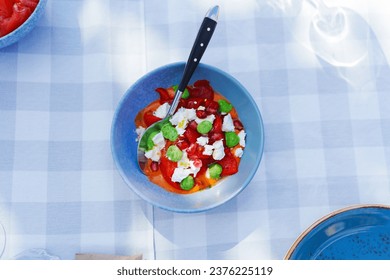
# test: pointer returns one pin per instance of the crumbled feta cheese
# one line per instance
(209, 118)
(208, 173)
(181, 127)
(242, 135)
(218, 152)
(202, 140)
(181, 119)
(238, 152)
(218, 144)
(195, 167)
(184, 162)
(159, 143)
(208, 150)
(139, 130)
(227, 124)
(154, 154)
(201, 108)
(159, 140)
(180, 174)
(185, 167)
(178, 116)
(162, 110)
(191, 114)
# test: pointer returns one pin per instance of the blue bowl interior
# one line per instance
(25, 28)
(124, 146)
(361, 233)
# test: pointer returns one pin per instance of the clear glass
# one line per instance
(341, 40)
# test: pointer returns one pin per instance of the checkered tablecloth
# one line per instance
(327, 142)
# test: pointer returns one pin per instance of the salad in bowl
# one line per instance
(200, 158)
(199, 145)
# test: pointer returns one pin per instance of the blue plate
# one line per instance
(354, 233)
(124, 146)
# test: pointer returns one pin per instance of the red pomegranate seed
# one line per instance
(215, 136)
(201, 114)
(197, 163)
(212, 107)
(182, 144)
(238, 125)
(193, 125)
(154, 166)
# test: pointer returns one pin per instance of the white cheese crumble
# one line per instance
(218, 152)
(208, 150)
(181, 119)
(180, 174)
(194, 169)
(184, 168)
(202, 140)
(159, 140)
(139, 130)
(159, 143)
(162, 110)
(208, 173)
(153, 154)
(184, 162)
(239, 152)
(209, 118)
(242, 135)
(227, 124)
(201, 108)
(218, 144)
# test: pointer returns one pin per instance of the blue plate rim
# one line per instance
(324, 219)
(211, 206)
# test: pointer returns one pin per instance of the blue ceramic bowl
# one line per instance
(25, 28)
(124, 146)
(360, 232)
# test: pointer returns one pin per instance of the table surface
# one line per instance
(327, 127)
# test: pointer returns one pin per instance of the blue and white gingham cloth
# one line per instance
(327, 143)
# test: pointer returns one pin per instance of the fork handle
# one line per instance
(202, 40)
